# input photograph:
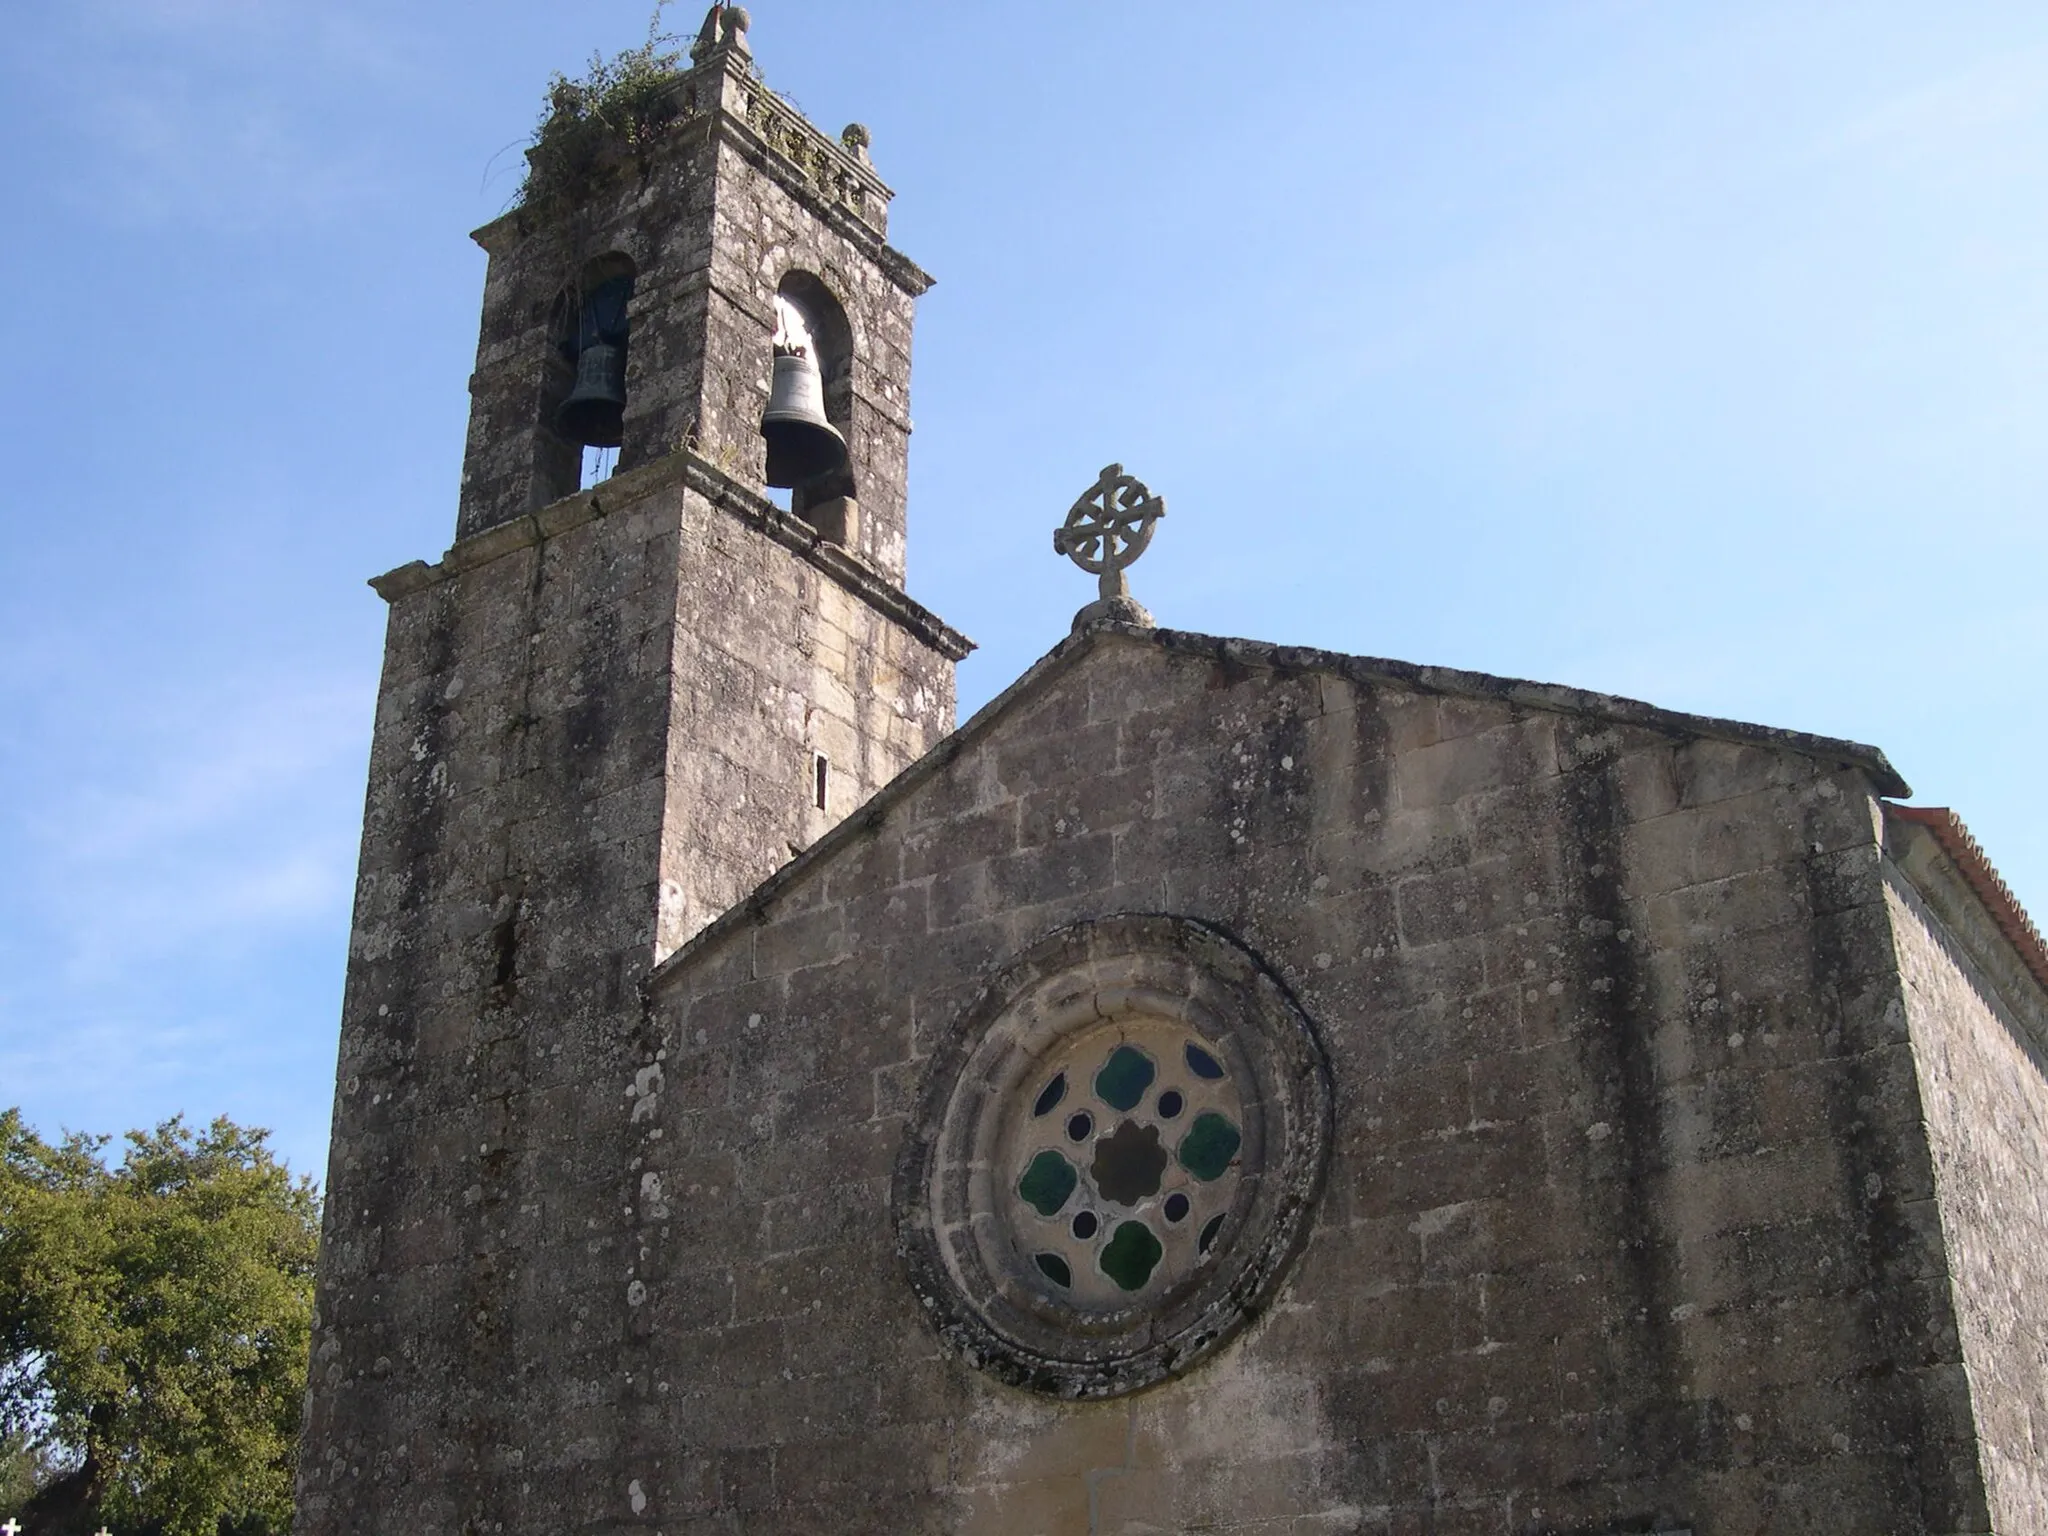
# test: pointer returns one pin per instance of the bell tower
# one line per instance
(683, 236)
(607, 713)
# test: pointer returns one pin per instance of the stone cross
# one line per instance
(10, 1529)
(1105, 532)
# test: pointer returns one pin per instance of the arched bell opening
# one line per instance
(557, 462)
(809, 421)
(590, 333)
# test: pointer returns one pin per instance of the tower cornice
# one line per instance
(725, 98)
(691, 470)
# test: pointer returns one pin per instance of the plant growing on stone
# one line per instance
(620, 104)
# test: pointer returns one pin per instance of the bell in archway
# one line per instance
(595, 412)
(802, 444)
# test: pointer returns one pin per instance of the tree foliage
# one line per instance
(154, 1318)
(24, 1467)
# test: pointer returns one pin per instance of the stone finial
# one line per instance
(1105, 532)
(725, 26)
(734, 24)
(856, 138)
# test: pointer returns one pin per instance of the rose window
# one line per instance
(1115, 1157)
(1126, 1162)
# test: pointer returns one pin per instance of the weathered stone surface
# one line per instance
(1614, 1227)
(1632, 1215)
(1682, 1115)
(1979, 1024)
(712, 216)
(589, 742)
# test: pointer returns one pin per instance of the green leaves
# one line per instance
(154, 1320)
(620, 106)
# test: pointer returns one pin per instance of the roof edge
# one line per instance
(755, 905)
(1555, 697)
(692, 470)
(1448, 681)
(1984, 881)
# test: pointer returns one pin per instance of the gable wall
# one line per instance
(1628, 1216)
(1977, 1029)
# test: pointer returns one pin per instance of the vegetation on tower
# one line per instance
(617, 108)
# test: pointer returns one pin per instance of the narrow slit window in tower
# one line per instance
(821, 778)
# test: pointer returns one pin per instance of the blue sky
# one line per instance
(1692, 351)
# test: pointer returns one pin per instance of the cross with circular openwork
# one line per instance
(1105, 532)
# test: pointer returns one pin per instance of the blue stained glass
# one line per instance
(1050, 1095)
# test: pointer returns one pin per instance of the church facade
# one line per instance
(1219, 1087)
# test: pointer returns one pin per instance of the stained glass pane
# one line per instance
(1047, 1183)
(1131, 1256)
(1055, 1269)
(1049, 1096)
(1124, 1077)
(1208, 1147)
(1202, 1064)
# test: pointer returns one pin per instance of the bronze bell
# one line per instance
(595, 412)
(802, 444)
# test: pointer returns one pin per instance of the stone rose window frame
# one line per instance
(1087, 1260)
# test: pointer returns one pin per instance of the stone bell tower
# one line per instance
(606, 715)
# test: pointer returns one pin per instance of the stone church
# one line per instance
(1219, 1087)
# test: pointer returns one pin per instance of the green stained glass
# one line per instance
(1124, 1077)
(1208, 1147)
(1055, 1269)
(1047, 1183)
(1131, 1256)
